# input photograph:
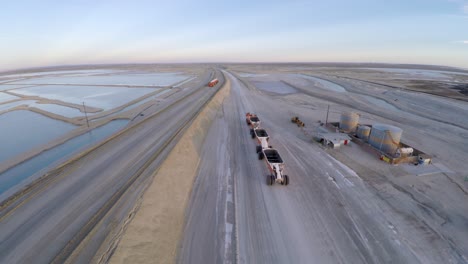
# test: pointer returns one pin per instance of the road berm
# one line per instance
(154, 233)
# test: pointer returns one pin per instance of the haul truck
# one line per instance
(265, 151)
(252, 120)
(262, 138)
(275, 165)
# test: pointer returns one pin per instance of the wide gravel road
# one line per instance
(325, 215)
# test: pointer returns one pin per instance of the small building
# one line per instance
(333, 140)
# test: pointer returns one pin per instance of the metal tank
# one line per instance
(385, 137)
(349, 122)
(363, 132)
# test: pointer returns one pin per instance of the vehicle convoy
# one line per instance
(213, 82)
(252, 120)
(265, 151)
(275, 165)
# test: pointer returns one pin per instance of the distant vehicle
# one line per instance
(275, 165)
(297, 121)
(213, 82)
(252, 120)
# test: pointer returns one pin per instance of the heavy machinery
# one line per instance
(262, 138)
(275, 165)
(297, 121)
(265, 151)
(252, 120)
(213, 82)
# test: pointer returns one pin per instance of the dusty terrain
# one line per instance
(342, 206)
(370, 212)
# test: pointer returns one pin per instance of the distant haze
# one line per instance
(41, 33)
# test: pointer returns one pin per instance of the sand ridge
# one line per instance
(154, 233)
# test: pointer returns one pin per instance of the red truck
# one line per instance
(213, 82)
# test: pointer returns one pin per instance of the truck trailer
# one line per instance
(252, 120)
(262, 138)
(275, 165)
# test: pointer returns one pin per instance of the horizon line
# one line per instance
(8, 71)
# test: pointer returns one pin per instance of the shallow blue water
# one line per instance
(151, 79)
(325, 84)
(19, 173)
(24, 130)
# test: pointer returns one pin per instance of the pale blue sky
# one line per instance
(41, 33)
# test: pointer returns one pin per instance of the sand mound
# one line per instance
(154, 233)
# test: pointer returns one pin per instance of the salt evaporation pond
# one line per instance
(324, 84)
(4, 87)
(67, 72)
(65, 111)
(24, 130)
(275, 87)
(23, 171)
(4, 97)
(7, 106)
(380, 102)
(105, 98)
(418, 72)
(135, 79)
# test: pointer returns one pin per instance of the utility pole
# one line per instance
(86, 115)
(326, 120)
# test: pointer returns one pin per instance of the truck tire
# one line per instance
(258, 149)
(272, 179)
(261, 155)
(268, 177)
(252, 134)
(286, 180)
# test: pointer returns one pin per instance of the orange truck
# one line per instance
(213, 82)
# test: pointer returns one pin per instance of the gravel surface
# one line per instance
(331, 212)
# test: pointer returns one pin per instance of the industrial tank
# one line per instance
(349, 121)
(385, 137)
(363, 132)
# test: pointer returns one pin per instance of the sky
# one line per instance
(52, 32)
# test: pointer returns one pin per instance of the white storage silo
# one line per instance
(349, 121)
(385, 137)
(363, 132)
